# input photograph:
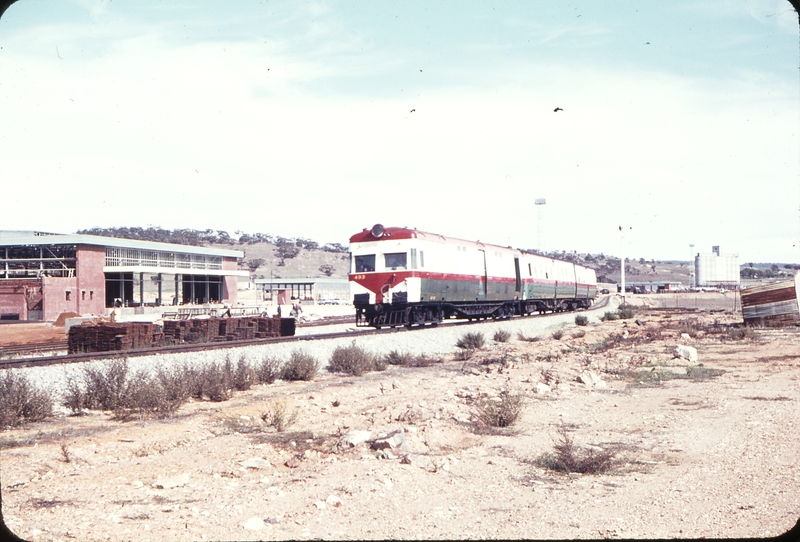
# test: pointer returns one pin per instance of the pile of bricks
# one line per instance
(107, 337)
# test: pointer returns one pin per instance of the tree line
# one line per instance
(288, 246)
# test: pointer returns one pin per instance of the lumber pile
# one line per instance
(107, 336)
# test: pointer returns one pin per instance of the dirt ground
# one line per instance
(28, 333)
(705, 448)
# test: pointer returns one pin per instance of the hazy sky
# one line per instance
(317, 119)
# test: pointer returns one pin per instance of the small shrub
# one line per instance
(105, 387)
(569, 458)
(215, 381)
(268, 370)
(472, 340)
(741, 333)
(501, 336)
(464, 354)
(502, 413)
(557, 334)
(244, 376)
(626, 311)
(581, 320)
(301, 366)
(279, 417)
(522, 337)
(398, 358)
(352, 360)
(424, 360)
(22, 402)
(609, 316)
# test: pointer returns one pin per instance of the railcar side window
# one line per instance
(396, 260)
(365, 264)
(413, 258)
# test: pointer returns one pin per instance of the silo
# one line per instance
(716, 270)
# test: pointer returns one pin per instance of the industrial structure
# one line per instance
(716, 270)
(44, 275)
(773, 304)
(319, 291)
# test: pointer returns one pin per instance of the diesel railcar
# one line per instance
(405, 277)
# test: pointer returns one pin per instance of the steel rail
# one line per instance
(184, 348)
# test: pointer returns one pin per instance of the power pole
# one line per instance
(622, 258)
(540, 202)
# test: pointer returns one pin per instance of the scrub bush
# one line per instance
(22, 402)
(301, 366)
(473, 341)
(352, 360)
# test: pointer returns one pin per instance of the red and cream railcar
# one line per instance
(401, 276)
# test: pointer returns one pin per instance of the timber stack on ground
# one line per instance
(106, 337)
(772, 305)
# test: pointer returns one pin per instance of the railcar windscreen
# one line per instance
(396, 260)
(365, 263)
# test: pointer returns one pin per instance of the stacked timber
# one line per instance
(105, 337)
(200, 330)
(772, 305)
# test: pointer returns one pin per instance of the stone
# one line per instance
(292, 463)
(415, 461)
(384, 454)
(685, 336)
(541, 387)
(254, 524)
(137, 484)
(686, 352)
(255, 463)
(320, 505)
(393, 440)
(591, 380)
(396, 385)
(334, 501)
(170, 483)
(356, 437)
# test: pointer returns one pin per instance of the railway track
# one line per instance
(44, 360)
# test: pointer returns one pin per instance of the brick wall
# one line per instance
(59, 295)
(91, 285)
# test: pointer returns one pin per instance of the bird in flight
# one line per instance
(412, 110)
(557, 109)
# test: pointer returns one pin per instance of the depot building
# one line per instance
(44, 275)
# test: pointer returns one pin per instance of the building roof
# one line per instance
(321, 280)
(98, 240)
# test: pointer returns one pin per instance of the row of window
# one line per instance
(120, 257)
(394, 261)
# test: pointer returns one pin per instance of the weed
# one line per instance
(557, 334)
(352, 360)
(424, 360)
(502, 413)
(570, 458)
(472, 340)
(702, 373)
(581, 320)
(762, 398)
(626, 311)
(548, 357)
(279, 417)
(501, 336)
(464, 354)
(609, 316)
(22, 402)
(301, 366)
(741, 333)
(522, 337)
(268, 370)
(398, 358)
(66, 455)
(244, 376)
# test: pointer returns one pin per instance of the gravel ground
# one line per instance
(711, 455)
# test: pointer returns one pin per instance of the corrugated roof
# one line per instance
(98, 240)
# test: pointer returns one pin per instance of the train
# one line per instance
(405, 277)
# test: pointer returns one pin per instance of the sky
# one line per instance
(677, 121)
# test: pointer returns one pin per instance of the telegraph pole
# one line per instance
(622, 258)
